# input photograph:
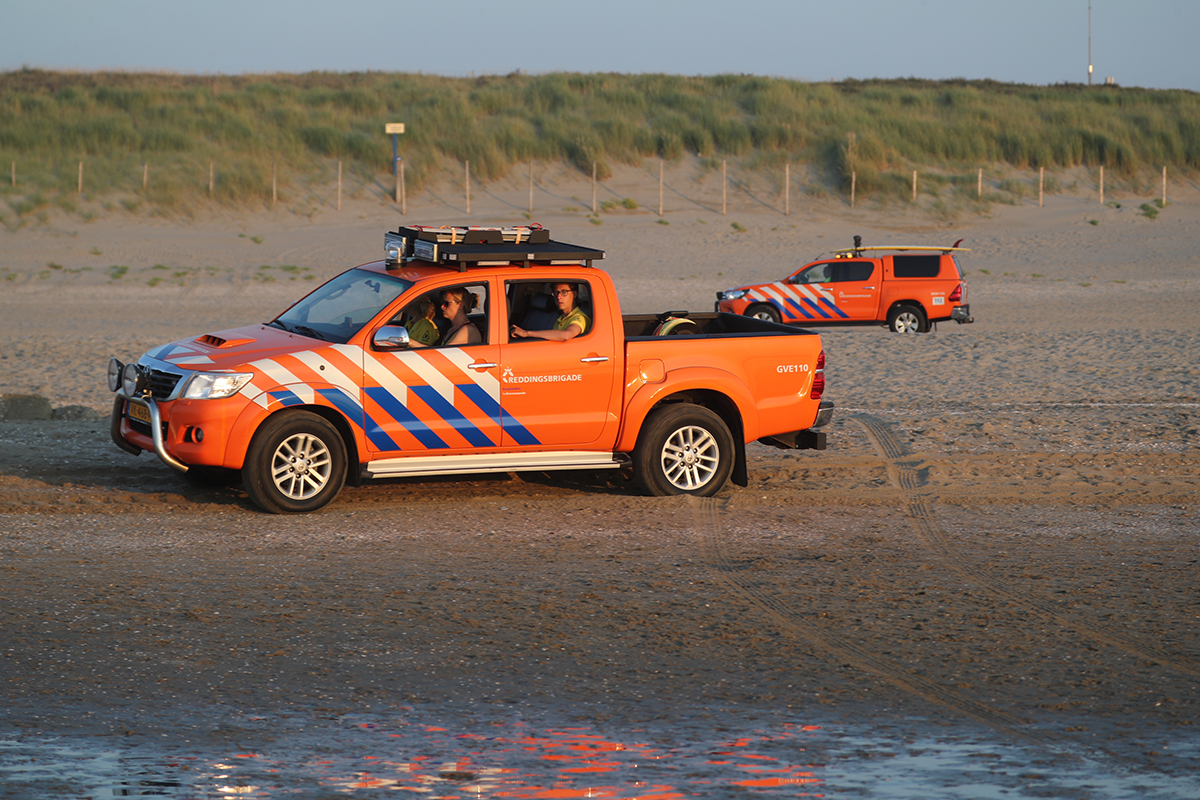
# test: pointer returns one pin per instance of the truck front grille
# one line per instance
(162, 383)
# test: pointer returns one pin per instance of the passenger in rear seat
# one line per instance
(572, 322)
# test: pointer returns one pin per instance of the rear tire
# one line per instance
(296, 463)
(907, 319)
(764, 311)
(683, 449)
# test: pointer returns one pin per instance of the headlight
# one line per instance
(114, 374)
(133, 381)
(215, 385)
(733, 294)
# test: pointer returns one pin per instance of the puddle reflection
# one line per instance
(433, 762)
(368, 757)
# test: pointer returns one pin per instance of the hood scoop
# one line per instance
(216, 341)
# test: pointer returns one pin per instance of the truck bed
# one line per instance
(709, 324)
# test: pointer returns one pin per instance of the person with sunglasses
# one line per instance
(455, 305)
(571, 323)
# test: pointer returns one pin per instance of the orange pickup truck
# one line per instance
(908, 292)
(336, 389)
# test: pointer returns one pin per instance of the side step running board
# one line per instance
(494, 462)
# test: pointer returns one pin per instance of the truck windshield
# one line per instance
(337, 310)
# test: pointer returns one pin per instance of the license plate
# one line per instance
(138, 412)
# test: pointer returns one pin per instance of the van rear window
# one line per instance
(916, 266)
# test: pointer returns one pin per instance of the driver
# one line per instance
(455, 305)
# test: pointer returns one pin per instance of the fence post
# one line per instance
(81, 177)
(660, 186)
(1164, 195)
(1041, 184)
(145, 175)
(339, 184)
(593, 187)
(1101, 185)
(914, 186)
(724, 184)
(787, 188)
(853, 181)
(210, 178)
(467, 185)
(979, 190)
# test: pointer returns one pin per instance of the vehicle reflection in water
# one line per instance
(433, 762)
(366, 757)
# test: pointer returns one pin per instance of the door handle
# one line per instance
(482, 365)
(594, 359)
(868, 288)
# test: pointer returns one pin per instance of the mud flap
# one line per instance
(740, 475)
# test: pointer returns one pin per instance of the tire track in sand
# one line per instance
(905, 475)
(707, 515)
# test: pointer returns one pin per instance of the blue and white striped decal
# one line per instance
(800, 301)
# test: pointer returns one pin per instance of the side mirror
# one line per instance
(391, 337)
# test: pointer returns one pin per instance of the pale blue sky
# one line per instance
(1138, 42)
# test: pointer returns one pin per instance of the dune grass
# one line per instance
(879, 131)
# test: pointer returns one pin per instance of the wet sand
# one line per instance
(996, 556)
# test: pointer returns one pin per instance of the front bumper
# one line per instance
(961, 314)
(156, 429)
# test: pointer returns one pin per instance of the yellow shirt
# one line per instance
(575, 317)
(424, 331)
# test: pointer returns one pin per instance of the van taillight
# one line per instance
(956, 295)
(818, 382)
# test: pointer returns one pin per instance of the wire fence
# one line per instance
(249, 184)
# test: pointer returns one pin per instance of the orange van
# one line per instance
(909, 291)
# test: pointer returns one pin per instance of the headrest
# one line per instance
(543, 302)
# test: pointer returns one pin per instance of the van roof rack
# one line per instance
(459, 247)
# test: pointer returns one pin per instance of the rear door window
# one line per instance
(916, 266)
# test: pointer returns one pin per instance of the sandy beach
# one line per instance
(1001, 536)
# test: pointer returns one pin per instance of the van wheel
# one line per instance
(683, 449)
(907, 319)
(763, 311)
(296, 462)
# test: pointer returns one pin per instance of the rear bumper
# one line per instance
(807, 439)
(961, 314)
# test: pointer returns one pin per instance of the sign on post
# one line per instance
(395, 129)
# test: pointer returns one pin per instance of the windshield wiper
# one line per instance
(311, 332)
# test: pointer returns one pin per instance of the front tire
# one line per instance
(296, 463)
(907, 319)
(764, 311)
(683, 449)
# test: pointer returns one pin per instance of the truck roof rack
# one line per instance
(459, 247)
(858, 249)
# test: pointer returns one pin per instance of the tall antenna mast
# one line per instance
(1089, 42)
